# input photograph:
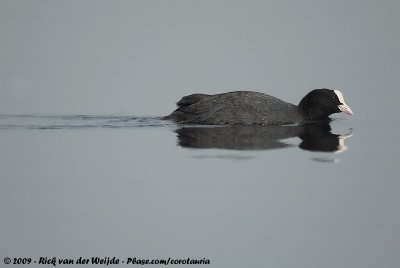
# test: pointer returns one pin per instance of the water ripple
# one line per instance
(78, 121)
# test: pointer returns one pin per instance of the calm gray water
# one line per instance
(87, 168)
(141, 187)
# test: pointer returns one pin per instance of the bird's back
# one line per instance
(235, 108)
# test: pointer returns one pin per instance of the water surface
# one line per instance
(240, 196)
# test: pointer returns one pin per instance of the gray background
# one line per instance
(140, 57)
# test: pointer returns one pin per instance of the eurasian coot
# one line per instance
(255, 108)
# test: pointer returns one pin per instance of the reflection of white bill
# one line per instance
(341, 146)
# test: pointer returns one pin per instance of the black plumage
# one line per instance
(255, 108)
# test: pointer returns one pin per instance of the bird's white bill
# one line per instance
(345, 109)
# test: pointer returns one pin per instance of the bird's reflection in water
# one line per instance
(315, 137)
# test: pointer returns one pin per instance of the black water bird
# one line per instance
(255, 108)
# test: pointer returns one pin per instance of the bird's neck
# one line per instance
(315, 114)
(309, 111)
